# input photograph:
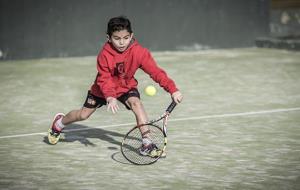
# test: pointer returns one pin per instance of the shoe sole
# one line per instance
(154, 154)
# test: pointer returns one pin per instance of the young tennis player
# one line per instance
(117, 63)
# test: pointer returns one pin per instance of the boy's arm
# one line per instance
(156, 73)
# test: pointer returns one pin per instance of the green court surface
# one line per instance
(237, 128)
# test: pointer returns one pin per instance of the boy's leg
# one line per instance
(132, 101)
(91, 104)
(140, 114)
(60, 120)
(77, 115)
(148, 148)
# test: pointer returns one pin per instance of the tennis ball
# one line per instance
(150, 90)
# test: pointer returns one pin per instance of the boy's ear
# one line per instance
(108, 38)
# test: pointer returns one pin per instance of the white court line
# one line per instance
(179, 119)
(238, 114)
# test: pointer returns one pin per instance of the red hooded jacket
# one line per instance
(116, 71)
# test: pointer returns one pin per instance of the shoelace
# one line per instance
(54, 133)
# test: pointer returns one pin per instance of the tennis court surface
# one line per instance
(237, 128)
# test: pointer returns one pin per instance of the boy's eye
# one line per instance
(118, 38)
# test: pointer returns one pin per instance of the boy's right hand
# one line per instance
(112, 104)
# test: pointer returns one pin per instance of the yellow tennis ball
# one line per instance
(150, 90)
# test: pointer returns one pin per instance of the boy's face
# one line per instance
(120, 39)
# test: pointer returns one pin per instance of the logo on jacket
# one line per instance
(120, 69)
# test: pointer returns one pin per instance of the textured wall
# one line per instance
(52, 28)
(285, 22)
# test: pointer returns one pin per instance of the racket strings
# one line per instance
(133, 142)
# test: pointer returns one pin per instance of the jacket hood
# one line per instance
(111, 49)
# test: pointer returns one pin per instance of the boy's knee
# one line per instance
(83, 115)
(135, 103)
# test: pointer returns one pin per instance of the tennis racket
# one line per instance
(132, 141)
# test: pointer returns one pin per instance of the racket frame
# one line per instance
(152, 123)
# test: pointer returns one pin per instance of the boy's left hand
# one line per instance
(112, 104)
(177, 97)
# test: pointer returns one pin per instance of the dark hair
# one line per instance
(117, 24)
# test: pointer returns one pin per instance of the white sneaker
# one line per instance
(149, 150)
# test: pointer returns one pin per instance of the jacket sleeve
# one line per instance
(105, 79)
(149, 66)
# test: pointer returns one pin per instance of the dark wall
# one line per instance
(58, 28)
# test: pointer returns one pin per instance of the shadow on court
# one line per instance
(82, 133)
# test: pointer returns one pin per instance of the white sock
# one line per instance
(146, 141)
(59, 123)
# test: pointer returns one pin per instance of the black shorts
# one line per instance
(93, 101)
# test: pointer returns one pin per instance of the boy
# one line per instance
(117, 63)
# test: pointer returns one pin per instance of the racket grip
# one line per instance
(171, 107)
